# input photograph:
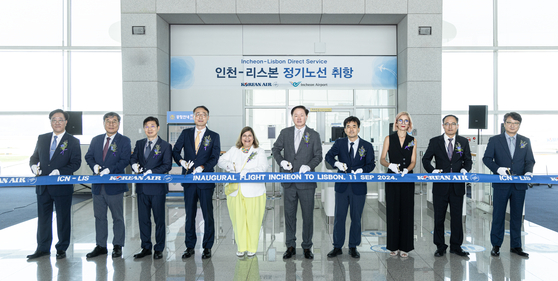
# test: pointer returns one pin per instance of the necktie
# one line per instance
(147, 150)
(197, 141)
(450, 149)
(512, 146)
(297, 139)
(352, 152)
(105, 149)
(53, 147)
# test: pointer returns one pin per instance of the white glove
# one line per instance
(286, 165)
(405, 171)
(463, 171)
(198, 169)
(502, 171)
(54, 172)
(134, 168)
(186, 165)
(304, 169)
(436, 171)
(243, 173)
(529, 174)
(147, 173)
(230, 167)
(394, 168)
(106, 171)
(96, 169)
(36, 170)
(341, 166)
(358, 171)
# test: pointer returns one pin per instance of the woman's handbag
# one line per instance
(231, 187)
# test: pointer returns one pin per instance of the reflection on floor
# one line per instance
(375, 264)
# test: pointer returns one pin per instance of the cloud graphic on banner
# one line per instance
(182, 72)
(384, 73)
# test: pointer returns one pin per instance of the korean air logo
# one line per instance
(474, 177)
(32, 180)
(295, 84)
(167, 178)
(118, 178)
(425, 177)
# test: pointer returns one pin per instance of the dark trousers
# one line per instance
(456, 208)
(500, 202)
(63, 206)
(191, 196)
(146, 204)
(342, 202)
(400, 207)
(291, 196)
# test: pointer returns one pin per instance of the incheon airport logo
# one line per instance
(167, 178)
(295, 84)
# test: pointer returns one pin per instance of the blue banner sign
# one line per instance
(272, 177)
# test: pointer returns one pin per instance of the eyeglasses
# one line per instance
(150, 127)
(512, 123)
(111, 122)
(450, 124)
(57, 121)
(406, 121)
(201, 115)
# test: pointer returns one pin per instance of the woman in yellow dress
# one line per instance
(247, 204)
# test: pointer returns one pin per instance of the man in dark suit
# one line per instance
(202, 148)
(56, 153)
(151, 155)
(354, 155)
(302, 152)
(508, 154)
(109, 153)
(452, 155)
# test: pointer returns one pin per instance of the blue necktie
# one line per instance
(53, 147)
(147, 150)
(351, 152)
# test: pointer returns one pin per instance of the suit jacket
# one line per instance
(366, 162)
(159, 161)
(117, 158)
(208, 153)
(258, 164)
(461, 159)
(67, 161)
(497, 154)
(309, 152)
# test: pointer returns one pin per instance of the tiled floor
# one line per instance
(18, 241)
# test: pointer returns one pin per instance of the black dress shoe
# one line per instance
(97, 251)
(158, 255)
(291, 251)
(206, 253)
(188, 253)
(60, 254)
(439, 253)
(116, 251)
(335, 252)
(459, 252)
(143, 253)
(354, 253)
(519, 251)
(495, 251)
(308, 254)
(38, 254)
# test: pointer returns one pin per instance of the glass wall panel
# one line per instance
(265, 97)
(32, 23)
(375, 97)
(96, 81)
(532, 23)
(467, 23)
(260, 119)
(527, 80)
(467, 79)
(374, 125)
(96, 23)
(31, 80)
(311, 98)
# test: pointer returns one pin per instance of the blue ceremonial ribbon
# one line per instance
(273, 177)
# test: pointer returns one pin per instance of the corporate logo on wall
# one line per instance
(299, 83)
(264, 84)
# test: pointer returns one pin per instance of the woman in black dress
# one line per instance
(400, 147)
